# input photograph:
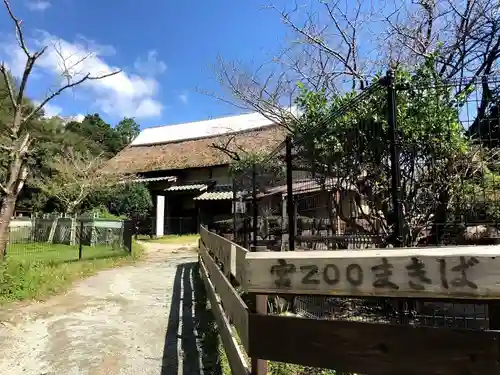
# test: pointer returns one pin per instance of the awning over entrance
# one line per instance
(194, 187)
(215, 196)
(154, 179)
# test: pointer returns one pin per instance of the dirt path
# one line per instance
(137, 320)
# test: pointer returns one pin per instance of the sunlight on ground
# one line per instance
(41, 270)
(171, 239)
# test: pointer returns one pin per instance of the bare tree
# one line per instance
(338, 45)
(77, 175)
(20, 140)
(463, 38)
(327, 50)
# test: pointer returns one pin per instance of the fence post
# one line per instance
(255, 214)
(235, 215)
(127, 235)
(4, 250)
(259, 366)
(395, 158)
(245, 231)
(397, 208)
(494, 318)
(80, 247)
(289, 196)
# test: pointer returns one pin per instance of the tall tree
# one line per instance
(127, 130)
(20, 137)
(95, 134)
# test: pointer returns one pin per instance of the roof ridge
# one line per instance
(236, 132)
(200, 121)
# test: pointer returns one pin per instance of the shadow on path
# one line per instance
(191, 342)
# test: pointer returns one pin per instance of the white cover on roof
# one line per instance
(200, 129)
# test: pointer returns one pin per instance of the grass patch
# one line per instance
(40, 251)
(23, 277)
(171, 238)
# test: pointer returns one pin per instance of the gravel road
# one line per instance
(138, 319)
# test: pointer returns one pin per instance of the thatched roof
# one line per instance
(195, 153)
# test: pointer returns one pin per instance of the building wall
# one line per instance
(198, 174)
(221, 175)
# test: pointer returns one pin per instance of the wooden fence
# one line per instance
(465, 273)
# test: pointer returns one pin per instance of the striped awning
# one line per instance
(217, 196)
(154, 179)
(199, 187)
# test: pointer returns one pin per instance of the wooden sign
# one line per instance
(447, 272)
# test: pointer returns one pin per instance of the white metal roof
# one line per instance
(200, 129)
(155, 179)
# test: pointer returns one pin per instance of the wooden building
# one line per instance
(187, 173)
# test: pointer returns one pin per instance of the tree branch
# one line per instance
(10, 90)
(87, 77)
(19, 30)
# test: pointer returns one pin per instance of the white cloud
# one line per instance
(151, 66)
(92, 45)
(16, 58)
(52, 110)
(79, 117)
(120, 95)
(184, 97)
(38, 5)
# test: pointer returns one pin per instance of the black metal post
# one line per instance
(235, 214)
(80, 240)
(395, 159)
(245, 230)
(255, 213)
(289, 195)
(127, 235)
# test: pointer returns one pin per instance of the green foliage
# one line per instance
(94, 134)
(102, 212)
(353, 144)
(131, 200)
(50, 137)
(268, 170)
(127, 129)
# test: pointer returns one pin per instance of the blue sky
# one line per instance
(165, 49)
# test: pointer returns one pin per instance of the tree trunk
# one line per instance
(6, 212)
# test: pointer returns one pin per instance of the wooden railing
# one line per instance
(226, 304)
(458, 273)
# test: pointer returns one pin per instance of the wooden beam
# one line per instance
(236, 359)
(231, 255)
(234, 307)
(239, 263)
(469, 272)
(375, 349)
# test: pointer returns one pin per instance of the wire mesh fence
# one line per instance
(68, 239)
(259, 215)
(410, 161)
